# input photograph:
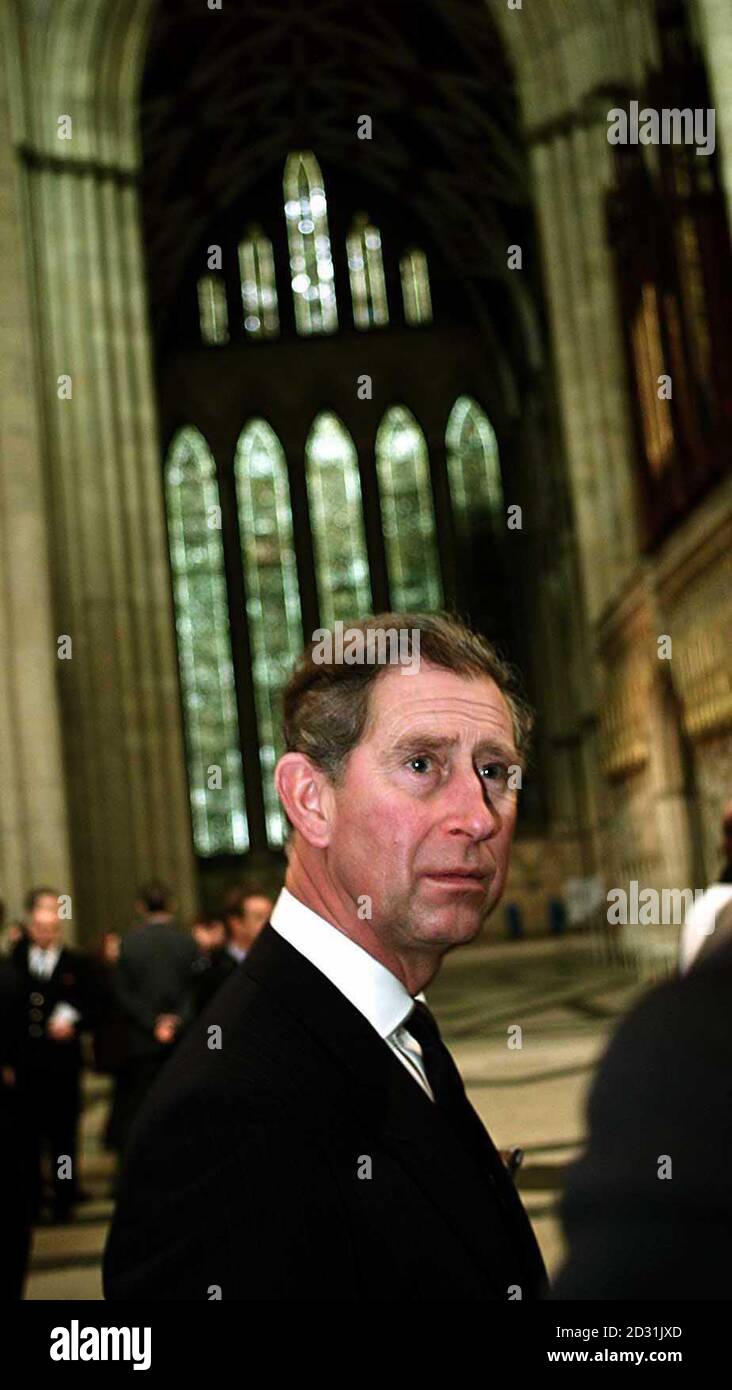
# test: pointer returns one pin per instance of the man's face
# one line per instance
(44, 928)
(209, 936)
(423, 817)
(256, 912)
(246, 925)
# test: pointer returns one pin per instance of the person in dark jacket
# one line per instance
(311, 1138)
(58, 1004)
(224, 941)
(110, 1035)
(213, 964)
(154, 988)
(17, 1185)
(647, 1209)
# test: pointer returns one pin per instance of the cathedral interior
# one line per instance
(314, 310)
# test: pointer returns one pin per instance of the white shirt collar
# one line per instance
(365, 982)
(42, 960)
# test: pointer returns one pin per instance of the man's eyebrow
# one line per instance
(426, 743)
(433, 743)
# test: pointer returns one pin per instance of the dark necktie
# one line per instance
(442, 1074)
(451, 1100)
(449, 1091)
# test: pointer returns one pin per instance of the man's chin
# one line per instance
(457, 926)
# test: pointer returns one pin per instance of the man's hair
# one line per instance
(154, 895)
(33, 894)
(326, 703)
(236, 899)
(209, 919)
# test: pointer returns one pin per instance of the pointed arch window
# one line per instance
(213, 314)
(366, 271)
(416, 287)
(473, 465)
(273, 599)
(258, 285)
(204, 647)
(311, 260)
(407, 509)
(336, 512)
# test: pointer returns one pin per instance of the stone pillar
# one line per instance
(120, 688)
(715, 26)
(571, 171)
(123, 741)
(34, 833)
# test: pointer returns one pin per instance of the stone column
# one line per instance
(119, 695)
(571, 171)
(120, 687)
(34, 830)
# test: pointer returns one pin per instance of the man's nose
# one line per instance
(470, 810)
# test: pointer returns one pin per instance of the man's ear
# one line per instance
(307, 796)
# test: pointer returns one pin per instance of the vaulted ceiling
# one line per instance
(226, 94)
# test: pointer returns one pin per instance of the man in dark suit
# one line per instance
(647, 1210)
(154, 988)
(57, 999)
(244, 916)
(16, 1184)
(312, 1139)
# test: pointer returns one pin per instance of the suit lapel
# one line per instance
(418, 1134)
(474, 1201)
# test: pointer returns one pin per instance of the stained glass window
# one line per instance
(311, 261)
(258, 285)
(416, 287)
(473, 466)
(402, 465)
(334, 494)
(273, 600)
(366, 269)
(204, 647)
(212, 310)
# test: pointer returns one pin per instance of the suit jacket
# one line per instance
(13, 1021)
(153, 977)
(15, 1170)
(663, 1088)
(302, 1161)
(68, 984)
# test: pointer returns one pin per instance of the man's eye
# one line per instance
(419, 764)
(494, 772)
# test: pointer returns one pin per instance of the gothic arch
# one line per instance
(82, 58)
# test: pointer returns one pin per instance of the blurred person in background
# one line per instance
(110, 1034)
(247, 911)
(209, 934)
(16, 1192)
(244, 916)
(647, 1209)
(154, 988)
(10, 933)
(213, 963)
(57, 1002)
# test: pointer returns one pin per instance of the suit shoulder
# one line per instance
(245, 1049)
(661, 1088)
